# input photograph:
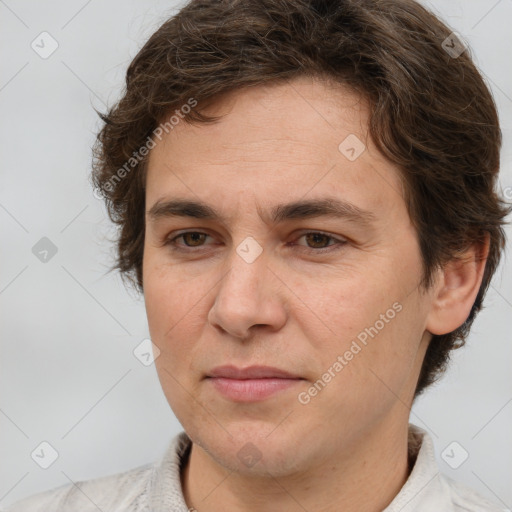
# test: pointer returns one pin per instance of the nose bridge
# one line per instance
(245, 296)
(245, 280)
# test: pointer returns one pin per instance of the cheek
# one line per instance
(373, 317)
(175, 307)
(169, 294)
(166, 303)
(169, 309)
(342, 305)
(161, 303)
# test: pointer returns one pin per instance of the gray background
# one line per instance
(68, 375)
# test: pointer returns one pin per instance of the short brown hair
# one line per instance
(431, 114)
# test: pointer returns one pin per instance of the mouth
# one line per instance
(252, 384)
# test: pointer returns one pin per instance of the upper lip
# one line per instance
(251, 372)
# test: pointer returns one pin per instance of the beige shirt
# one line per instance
(157, 487)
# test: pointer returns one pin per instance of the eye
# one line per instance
(317, 242)
(191, 239)
(320, 242)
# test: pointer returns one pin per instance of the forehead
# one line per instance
(292, 139)
(300, 115)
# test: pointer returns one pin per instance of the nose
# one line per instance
(249, 297)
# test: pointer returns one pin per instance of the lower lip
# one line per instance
(251, 390)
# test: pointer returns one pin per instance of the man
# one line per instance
(305, 192)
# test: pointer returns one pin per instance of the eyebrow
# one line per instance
(302, 209)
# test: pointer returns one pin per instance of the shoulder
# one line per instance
(125, 492)
(429, 490)
(466, 499)
(153, 486)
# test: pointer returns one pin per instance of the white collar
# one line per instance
(426, 489)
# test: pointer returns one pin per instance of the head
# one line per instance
(287, 102)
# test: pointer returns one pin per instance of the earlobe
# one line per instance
(456, 291)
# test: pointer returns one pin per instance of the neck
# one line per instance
(364, 476)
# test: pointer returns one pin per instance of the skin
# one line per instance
(291, 308)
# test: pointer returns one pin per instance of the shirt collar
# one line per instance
(422, 490)
(423, 481)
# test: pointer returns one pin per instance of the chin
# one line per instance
(256, 450)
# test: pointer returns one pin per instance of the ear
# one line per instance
(457, 289)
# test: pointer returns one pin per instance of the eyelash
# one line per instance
(340, 243)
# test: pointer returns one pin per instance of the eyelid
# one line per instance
(303, 232)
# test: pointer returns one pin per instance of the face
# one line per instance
(324, 295)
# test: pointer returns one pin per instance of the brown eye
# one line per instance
(193, 238)
(318, 240)
(188, 240)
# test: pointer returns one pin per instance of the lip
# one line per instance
(251, 384)
(251, 372)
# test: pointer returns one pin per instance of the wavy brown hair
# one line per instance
(431, 114)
